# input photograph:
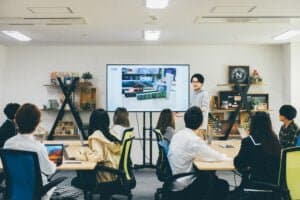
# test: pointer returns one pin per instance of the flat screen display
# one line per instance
(139, 87)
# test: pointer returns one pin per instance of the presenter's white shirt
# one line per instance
(185, 147)
(27, 142)
(200, 98)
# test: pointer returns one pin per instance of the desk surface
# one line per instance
(224, 165)
(73, 149)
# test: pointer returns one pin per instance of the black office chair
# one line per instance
(288, 182)
(23, 175)
(164, 174)
(124, 182)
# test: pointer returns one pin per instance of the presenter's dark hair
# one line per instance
(28, 117)
(11, 109)
(99, 121)
(199, 77)
(262, 132)
(121, 117)
(193, 118)
(166, 119)
(288, 112)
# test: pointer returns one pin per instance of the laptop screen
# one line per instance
(55, 152)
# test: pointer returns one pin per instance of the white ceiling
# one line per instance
(123, 21)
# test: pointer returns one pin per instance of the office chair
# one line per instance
(23, 175)
(288, 183)
(164, 174)
(125, 180)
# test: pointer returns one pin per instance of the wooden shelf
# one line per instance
(231, 110)
(232, 84)
(80, 85)
(56, 110)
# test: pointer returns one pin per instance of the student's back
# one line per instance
(262, 165)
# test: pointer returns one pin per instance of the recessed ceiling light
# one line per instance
(151, 35)
(287, 35)
(17, 35)
(157, 4)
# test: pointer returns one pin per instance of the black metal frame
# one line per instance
(145, 130)
(68, 90)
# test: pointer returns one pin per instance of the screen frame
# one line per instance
(182, 65)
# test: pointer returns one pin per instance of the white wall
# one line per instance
(294, 76)
(2, 82)
(28, 68)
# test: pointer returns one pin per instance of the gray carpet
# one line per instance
(146, 183)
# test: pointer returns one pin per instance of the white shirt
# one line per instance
(117, 131)
(201, 99)
(185, 147)
(27, 142)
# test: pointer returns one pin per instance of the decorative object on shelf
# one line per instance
(214, 100)
(88, 98)
(258, 102)
(65, 128)
(229, 99)
(255, 77)
(53, 104)
(239, 74)
(67, 77)
(87, 76)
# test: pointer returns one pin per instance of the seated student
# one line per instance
(27, 118)
(259, 155)
(104, 147)
(121, 122)
(166, 124)
(184, 148)
(289, 131)
(8, 128)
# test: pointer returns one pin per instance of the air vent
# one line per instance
(232, 9)
(42, 21)
(246, 19)
(49, 10)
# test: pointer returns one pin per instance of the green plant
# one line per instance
(87, 76)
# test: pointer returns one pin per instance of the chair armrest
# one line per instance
(50, 185)
(176, 176)
(110, 170)
(265, 185)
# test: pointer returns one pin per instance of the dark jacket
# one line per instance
(7, 130)
(254, 160)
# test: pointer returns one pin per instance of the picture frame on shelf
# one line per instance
(229, 100)
(238, 74)
(258, 102)
(214, 102)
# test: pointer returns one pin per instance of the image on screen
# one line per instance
(148, 87)
(55, 153)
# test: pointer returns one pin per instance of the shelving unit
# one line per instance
(69, 99)
(227, 119)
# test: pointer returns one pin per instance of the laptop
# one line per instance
(55, 153)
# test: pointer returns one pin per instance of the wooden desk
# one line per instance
(72, 149)
(224, 165)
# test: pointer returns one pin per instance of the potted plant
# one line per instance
(87, 76)
(255, 77)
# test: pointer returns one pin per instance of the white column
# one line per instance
(2, 81)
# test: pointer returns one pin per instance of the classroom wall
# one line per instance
(2, 83)
(294, 75)
(28, 68)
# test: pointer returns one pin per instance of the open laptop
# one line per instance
(55, 153)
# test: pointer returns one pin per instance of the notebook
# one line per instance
(55, 153)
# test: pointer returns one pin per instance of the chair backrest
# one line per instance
(298, 140)
(290, 171)
(163, 168)
(125, 161)
(22, 174)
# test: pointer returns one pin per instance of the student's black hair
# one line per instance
(10, 110)
(288, 112)
(28, 117)
(199, 77)
(193, 118)
(99, 120)
(262, 132)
